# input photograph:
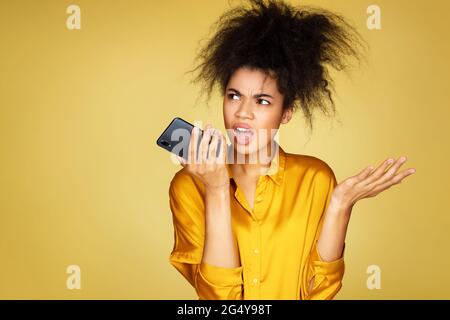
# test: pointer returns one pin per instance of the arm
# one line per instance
(367, 183)
(332, 238)
(220, 247)
(328, 252)
(217, 274)
(329, 249)
(220, 252)
(323, 272)
(211, 278)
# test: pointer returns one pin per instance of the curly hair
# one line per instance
(293, 45)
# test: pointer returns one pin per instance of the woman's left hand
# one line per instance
(368, 183)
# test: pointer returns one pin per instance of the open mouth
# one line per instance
(243, 135)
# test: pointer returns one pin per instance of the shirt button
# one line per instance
(256, 251)
(259, 198)
(255, 280)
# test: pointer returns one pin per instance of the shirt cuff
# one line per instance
(220, 276)
(326, 267)
(186, 257)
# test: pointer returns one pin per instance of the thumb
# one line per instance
(181, 160)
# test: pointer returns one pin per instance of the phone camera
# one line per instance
(164, 142)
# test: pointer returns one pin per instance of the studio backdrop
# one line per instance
(86, 88)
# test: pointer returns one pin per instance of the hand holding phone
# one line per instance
(209, 169)
(176, 137)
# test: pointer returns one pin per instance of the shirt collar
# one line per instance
(276, 169)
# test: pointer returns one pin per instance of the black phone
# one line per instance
(176, 137)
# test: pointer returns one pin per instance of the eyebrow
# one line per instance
(254, 96)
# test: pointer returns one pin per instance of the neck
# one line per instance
(254, 170)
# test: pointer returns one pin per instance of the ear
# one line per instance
(287, 115)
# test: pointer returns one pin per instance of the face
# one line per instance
(253, 112)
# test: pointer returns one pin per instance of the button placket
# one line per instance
(259, 209)
(261, 189)
(257, 258)
(255, 272)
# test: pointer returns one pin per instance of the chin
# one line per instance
(250, 150)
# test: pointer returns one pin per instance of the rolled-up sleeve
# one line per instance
(219, 283)
(326, 275)
(209, 281)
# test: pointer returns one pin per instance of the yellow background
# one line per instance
(83, 182)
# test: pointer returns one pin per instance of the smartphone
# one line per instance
(176, 137)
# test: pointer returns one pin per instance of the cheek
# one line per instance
(227, 115)
(269, 120)
(268, 124)
(226, 107)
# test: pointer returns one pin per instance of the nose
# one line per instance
(244, 110)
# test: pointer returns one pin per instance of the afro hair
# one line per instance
(295, 45)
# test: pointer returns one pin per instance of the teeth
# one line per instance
(242, 130)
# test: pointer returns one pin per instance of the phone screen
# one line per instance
(176, 137)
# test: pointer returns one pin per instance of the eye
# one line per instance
(265, 101)
(230, 95)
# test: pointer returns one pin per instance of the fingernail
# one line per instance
(390, 161)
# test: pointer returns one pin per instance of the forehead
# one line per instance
(252, 80)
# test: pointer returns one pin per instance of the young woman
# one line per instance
(273, 228)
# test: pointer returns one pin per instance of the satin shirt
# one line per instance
(277, 239)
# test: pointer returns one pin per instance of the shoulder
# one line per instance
(186, 199)
(181, 179)
(183, 183)
(309, 163)
(312, 168)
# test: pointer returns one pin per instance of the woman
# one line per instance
(255, 222)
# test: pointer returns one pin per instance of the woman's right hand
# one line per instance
(204, 164)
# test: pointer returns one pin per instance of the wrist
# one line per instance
(337, 207)
(218, 190)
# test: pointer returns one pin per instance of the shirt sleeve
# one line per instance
(209, 281)
(327, 275)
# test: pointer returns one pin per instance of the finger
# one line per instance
(198, 150)
(205, 143)
(386, 176)
(379, 171)
(223, 149)
(212, 153)
(192, 143)
(182, 161)
(397, 179)
(364, 174)
(392, 170)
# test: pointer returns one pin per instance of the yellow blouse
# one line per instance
(276, 240)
